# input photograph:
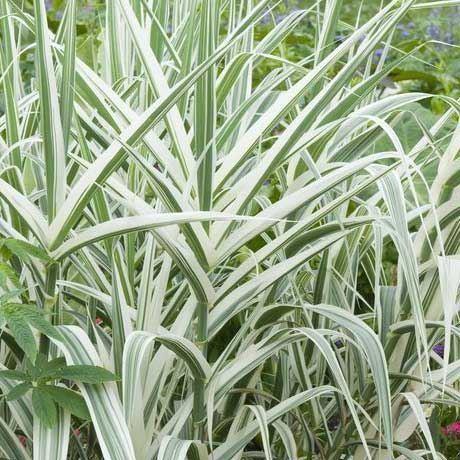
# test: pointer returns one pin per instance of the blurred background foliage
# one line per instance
(434, 68)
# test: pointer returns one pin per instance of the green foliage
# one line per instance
(38, 378)
(44, 407)
(21, 249)
(21, 319)
(84, 374)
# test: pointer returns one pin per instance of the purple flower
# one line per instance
(338, 343)
(433, 31)
(279, 18)
(449, 38)
(379, 52)
(266, 19)
(48, 4)
(435, 12)
(439, 350)
(404, 31)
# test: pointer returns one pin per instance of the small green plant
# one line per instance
(40, 376)
(40, 379)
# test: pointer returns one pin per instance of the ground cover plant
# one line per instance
(212, 248)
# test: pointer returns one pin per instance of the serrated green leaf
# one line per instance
(14, 375)
(4, 298)
(5, 253)
(33, 316)
(43, 367)
(68, 399)
(18, 391)
(56, 363)
(7, 273)
(36, 319)
(85, 374)
(25, 250)
(23, 335)
(20, 319)
(44, 407)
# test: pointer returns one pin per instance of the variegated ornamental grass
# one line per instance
(204, 235)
